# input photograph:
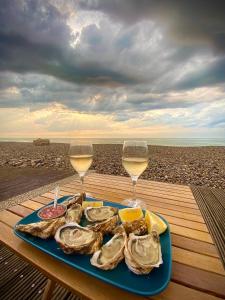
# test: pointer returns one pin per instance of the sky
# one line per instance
(98, 68)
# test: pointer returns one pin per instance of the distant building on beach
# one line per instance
(41, 142)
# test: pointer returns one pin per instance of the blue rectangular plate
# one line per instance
(121, 276)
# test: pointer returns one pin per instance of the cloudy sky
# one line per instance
(98, 68)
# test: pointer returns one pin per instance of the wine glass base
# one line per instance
(134, 203)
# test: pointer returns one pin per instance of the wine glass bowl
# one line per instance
(81, 157)
(135, 161)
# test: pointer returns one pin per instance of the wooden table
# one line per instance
(197, 272)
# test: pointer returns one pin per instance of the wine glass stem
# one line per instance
(134, 183)
(82, 184)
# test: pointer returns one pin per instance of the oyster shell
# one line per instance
(42, 229)
(77, 198)
(74, 213)
(143, 253)
(138, 227)
(106, 226)
(74, 238)
(111, 253)
(99, 214)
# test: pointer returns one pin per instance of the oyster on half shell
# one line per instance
(143, 253)
(138, 227)
(74, 238)
(42, 229)
(74, 213)
(106, 226)
(111, 253)
(77, 198)
(99, 214)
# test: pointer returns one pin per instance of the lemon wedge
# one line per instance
(130, 214)
(154, 222)
(86, 204)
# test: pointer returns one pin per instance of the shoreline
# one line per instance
(26, 166)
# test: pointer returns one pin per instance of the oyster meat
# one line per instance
(106, 226)
(111, 253)
(143, 253)
(74, 213)
(74, 238)
(42, 229)
(99, 214)
(138, 227)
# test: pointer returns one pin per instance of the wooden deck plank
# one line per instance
(212, 206)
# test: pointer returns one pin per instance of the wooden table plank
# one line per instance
(182, 242)
(193, 277)
(125, 181)
(197, 269)
(128, 190)
(195, 234)
(31, 204)
(191, 233)
(112, 196)
(179, 255)
(20, 210)
(177, 291)
(116, 198)
(145, 182)
(68, 276)
(9, 218)
(71, 278)
(194, 245)
(197, 260)
(127, 184)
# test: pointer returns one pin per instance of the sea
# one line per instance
(191, 142)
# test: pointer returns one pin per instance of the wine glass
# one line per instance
(135, 161)
(81, 157)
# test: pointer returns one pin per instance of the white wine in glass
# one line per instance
(81, 157)
(135, 161)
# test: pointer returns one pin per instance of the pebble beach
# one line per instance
(202, 166)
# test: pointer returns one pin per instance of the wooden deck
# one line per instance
(212, 205)
(197, 272)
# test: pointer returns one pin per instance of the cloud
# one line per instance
(35, 37)
(199, 22)
(134, 64)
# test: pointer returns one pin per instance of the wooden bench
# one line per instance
(197, 271)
